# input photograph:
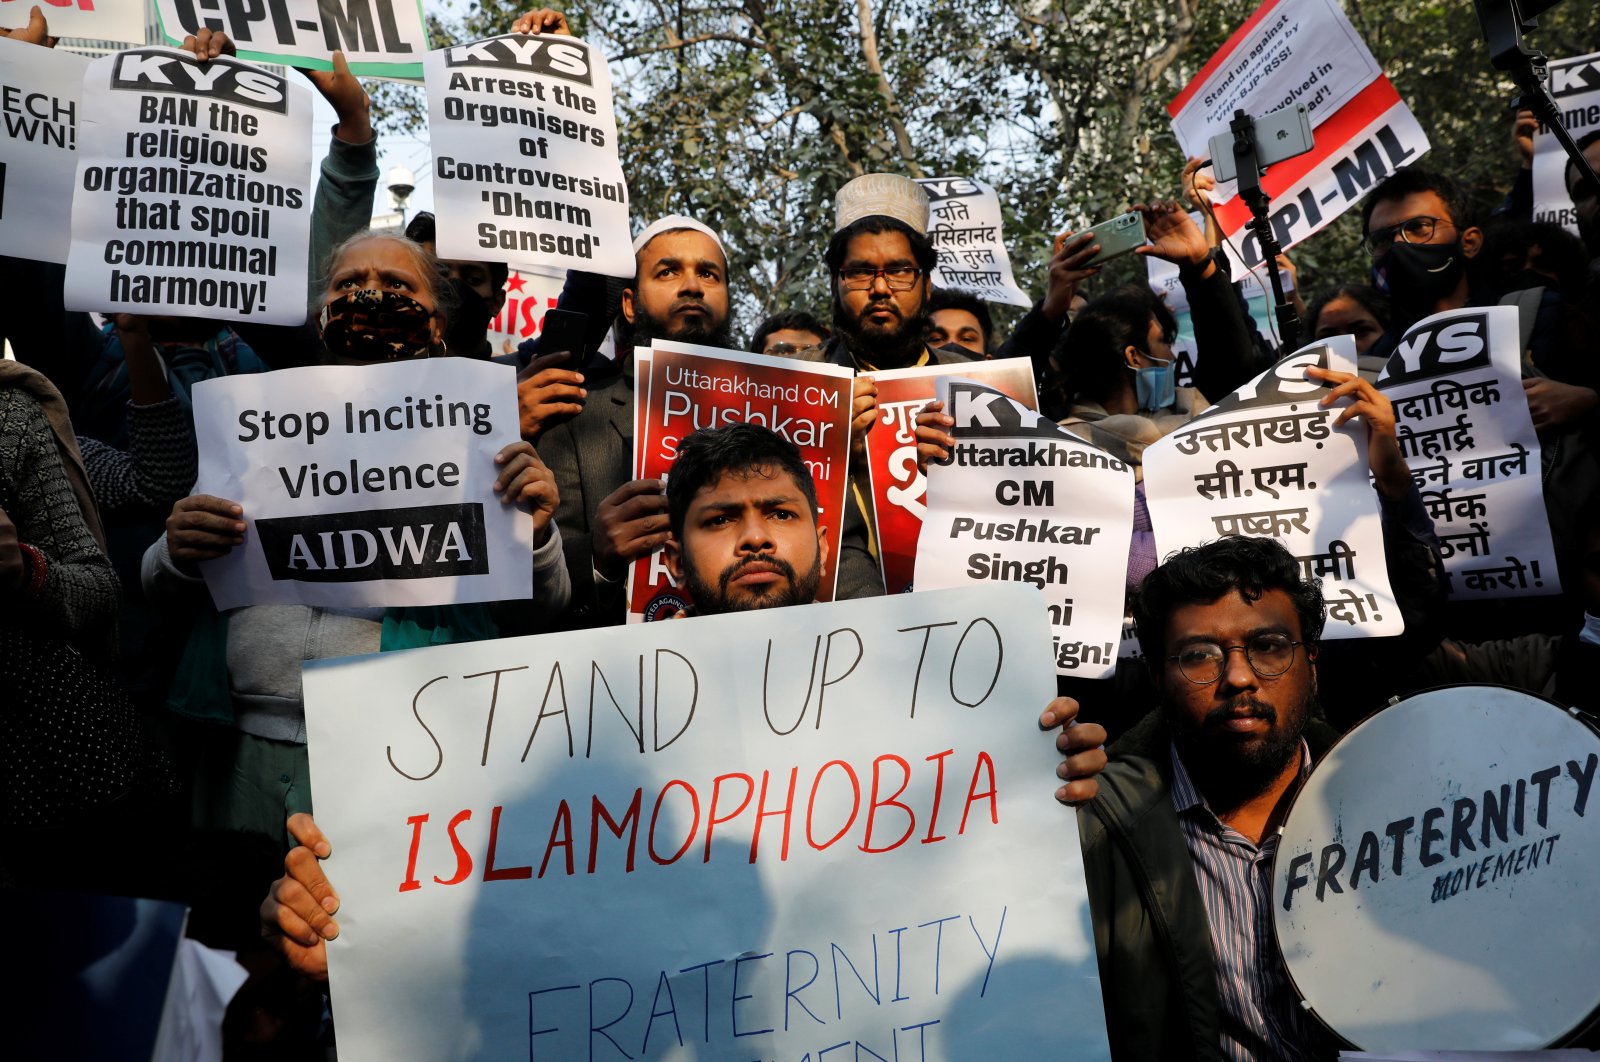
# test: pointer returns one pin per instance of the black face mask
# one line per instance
(468, 324)
(1417, 275)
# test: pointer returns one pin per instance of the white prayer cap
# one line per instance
(882, 194)
(673, 222)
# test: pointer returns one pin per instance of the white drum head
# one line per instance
(1472, 926)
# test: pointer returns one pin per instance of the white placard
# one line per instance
(98, 20)
(1575, 84)
(964, 225)
(192, 194)
(1267, 461)
(365, 485)
(40, 90)
(767, 835)
(525, 155)
(1023, 500)
(379, 38)
(1464, 428)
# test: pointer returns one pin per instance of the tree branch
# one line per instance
(869, 49)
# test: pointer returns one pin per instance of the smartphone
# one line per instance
(1280, 135)
(564, 330)
(1118, 236)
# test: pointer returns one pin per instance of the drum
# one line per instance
(1435, 883)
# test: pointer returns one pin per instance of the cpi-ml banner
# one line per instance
(822, 831)
(379, 38)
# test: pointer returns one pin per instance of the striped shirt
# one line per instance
(1261, 1015)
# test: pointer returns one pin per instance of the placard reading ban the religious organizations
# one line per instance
(365, 485)
(964, 225)
(193, 191)
(525, 155)
(40, 91)
(379, 38)
(824, 831)
(1464, 428)
(1267, 461)
(1023, 500)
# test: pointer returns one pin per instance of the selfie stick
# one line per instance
(1250, 190)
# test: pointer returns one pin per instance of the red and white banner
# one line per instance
(529, 293)
(1306, 52)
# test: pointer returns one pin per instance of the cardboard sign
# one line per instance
(193, 190)
(1575, 84)
(683, 388)
(964, 225)
(1267, 461)
(1464, 428)
(899, 489)
(379, 38)
(823, 830)
(1024, 500)
(40, 99)
(365, 485)
(96, 20)
(525, 155)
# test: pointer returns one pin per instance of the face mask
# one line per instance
(370, 325)
(469, 321)
(1155, 386)
(1419, 274)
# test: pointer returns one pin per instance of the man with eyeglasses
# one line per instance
(1178, 844)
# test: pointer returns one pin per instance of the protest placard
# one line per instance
(899, 489)
(1267, 461)
(192, 195)
(1575, 84)
(1465, 431)
(364, 485)
(39, 102)
(529, 293)
(682, 388)
(1302, 52)
(662, 842)
(379, 38)
(525, 155)
(1023, 500)
(100, 20)
(964, 225)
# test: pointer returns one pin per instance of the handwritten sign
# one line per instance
(1023, 500)
(193, 190)
(364, 485)
(823, 828)
(525, 155)
(964, 225)
(1267, 461)
(40, 90)
(1575, 84)
(379, 38)
(1466, 433)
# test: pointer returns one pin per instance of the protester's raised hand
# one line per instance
(1556, 405)
(934, 441)
(863, 412)
(544, 20)
(1173, 234)
(203, 528)
(349, 100)
(1523, 126)
(524, 479)
(1069, 267)
(548, 395)
(297, 915)
(12, 569)
(1389, 471)
(1198, 183)
(630, 523)
(208, 44)
(1082, 748)
(37, 31)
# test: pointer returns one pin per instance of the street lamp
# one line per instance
(401, 183)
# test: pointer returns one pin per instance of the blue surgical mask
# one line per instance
(1156, 386)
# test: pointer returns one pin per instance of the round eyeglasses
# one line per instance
(1269, 655)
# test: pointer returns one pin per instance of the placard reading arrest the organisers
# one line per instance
(1267, 461)
(192, 193)
(379, 38)
(365, 485)
(899, 488)
(525, 155)
(1024, 501)
(682, 388)
(824, 831)
(40, 89)
(99, 20)
(964, 225)
(1464, 428)
(1575, 84)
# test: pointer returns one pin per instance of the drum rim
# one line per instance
(1591, 722)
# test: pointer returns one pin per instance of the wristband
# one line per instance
(37, 568)
(1200, 267)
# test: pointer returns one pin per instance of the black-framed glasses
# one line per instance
(1269, 655)
(860, 278)
(1412, 230)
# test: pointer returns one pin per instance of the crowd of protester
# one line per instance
(138, 717)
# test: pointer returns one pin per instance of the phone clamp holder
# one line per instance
(1248, 168)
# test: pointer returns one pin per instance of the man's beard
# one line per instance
(791, 590)
(647, 327)
(884, 350)
(1234, 772)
